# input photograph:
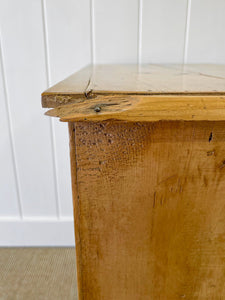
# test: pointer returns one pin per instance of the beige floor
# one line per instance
(37, 273)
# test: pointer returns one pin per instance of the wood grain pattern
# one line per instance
(148, 161)
(143, 108)
(76, 205)
(133, 79)
(149, 202)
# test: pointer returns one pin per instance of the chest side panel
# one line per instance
(151, 210)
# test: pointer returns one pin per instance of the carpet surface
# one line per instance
(37, 274)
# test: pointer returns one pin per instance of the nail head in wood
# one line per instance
(97, 109)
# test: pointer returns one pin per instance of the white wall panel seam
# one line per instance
(140, 18)
(52, 129)
(186, 37)
(92, 30)
(10, 128)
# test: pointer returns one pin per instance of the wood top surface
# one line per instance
(140, 93)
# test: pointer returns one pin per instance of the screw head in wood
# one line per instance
(97, 109)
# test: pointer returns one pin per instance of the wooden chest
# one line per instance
(148, 175)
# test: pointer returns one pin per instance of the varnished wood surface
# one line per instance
(133, 79)
(150, 209)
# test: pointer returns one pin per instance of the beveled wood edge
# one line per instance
(51, 100)
(143, 108)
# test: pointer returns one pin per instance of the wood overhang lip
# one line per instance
(144, 93)
(146, 79)
(143, 108)
(52, 100)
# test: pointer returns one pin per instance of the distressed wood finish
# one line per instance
(148, 177)
(144, 108)
(151, 211)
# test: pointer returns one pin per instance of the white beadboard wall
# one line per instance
(42, 42)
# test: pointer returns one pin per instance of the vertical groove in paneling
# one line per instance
(24, 64)
(206, 43)
(92, 30)
(140, 17)
(163, 31)
(52, 129)
(68, 35)
(10, 129)
(186, 37)
(116, 31)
